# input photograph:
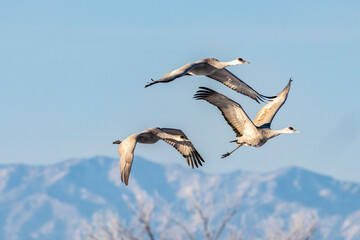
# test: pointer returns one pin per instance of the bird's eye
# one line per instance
(290, 128)
(182, 137)
(240, 59)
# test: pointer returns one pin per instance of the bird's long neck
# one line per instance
(230, 63)
(274, 133)
(219, 64)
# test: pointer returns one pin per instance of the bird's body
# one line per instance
(208, 66)
(214, 69)
(250, 133)
(174, 137)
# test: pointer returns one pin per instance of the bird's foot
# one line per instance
(117, 142)
(150, 83)
(225, 155)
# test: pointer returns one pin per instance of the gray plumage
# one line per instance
(174, 137)
(250, 133)
(214, 69)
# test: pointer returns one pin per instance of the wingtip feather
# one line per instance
(197, 157)
(194, 160)
(203, 93)
(191, 162)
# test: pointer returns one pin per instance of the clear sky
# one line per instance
(72, 77)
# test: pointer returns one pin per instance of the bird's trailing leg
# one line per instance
(117, 142)
(228, 153)
(151, 83)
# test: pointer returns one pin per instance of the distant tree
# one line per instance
(302, 226)
(201, 218)
(106, 225)
(207, 218)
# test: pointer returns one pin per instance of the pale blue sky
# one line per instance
(73, 73)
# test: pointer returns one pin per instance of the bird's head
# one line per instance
(291, 130)
(181, 138)
(241, 61)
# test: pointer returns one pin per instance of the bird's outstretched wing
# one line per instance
(232, 111)
(230, 80)
(177, 73)
(267, 112)
(180, 142)
(126, 151)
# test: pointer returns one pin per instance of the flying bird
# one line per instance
(214, 69)
(249, 133)
(174, 137)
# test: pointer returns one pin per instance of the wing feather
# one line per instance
(126, 173)
(268, 112)
(182, 145)
(126, 151)
(177, 73)
(169, 135)
(230, 80)
(231, 111)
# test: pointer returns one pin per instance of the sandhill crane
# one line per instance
(174, 137)
(214, 69)
(250, 133)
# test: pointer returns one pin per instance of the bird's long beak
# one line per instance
(297, 131)
(246, 62)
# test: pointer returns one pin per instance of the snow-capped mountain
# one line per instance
(52, 202)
